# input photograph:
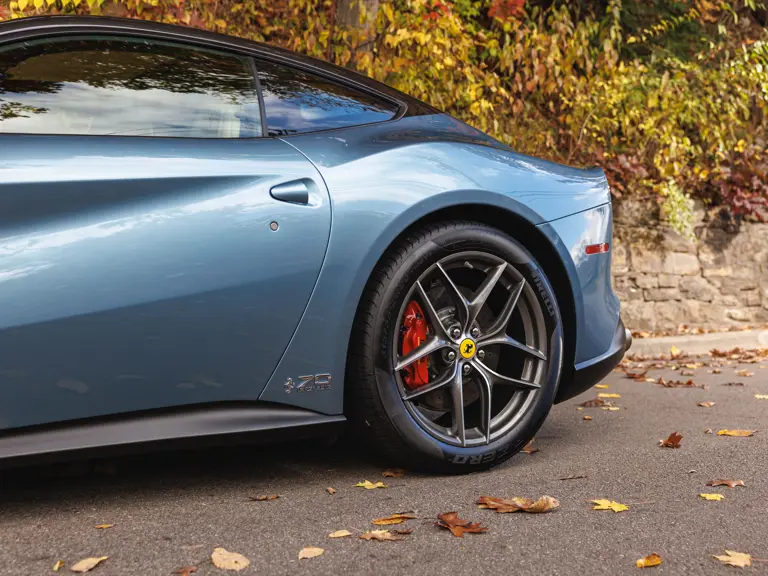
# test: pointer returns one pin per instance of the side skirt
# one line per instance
(199, 425)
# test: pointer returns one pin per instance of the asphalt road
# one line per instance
(173, 509)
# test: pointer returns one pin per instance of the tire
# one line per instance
(390, 407)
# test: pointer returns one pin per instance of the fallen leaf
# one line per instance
(610, 408)
(608, 395)
(226, 560)
(716, 371)
(761, 396)
(706, 404)
(687, 373)
(264, 498)
(711, 496)
(393, 473)
(457, 526)
(741, 433)
(603, 504)
(587, 417)
(744, 373)
(58, 566)
(579, 408)
(103, 526)
(310, 552)
(185, 571)
(529, 448)
(403, 531)
(340, 534)
(649, 561)
(517, 504)
(368, 485)
(673, 441)
(394, 519)
(595, 402)
(738, 559)
(573, 477)
(88, 564)
(380, 535)
(729, 483)
(677, 383)
(708, 431)
(602, 386)
(639, 376)
(734, 384)
(330, 490)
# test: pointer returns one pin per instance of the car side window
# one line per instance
(296, 101)
(126, 87)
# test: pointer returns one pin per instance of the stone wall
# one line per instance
(664, 280)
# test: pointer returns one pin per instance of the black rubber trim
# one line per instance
(587, 374)
(204, 424)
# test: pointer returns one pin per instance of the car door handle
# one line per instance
(295, 192)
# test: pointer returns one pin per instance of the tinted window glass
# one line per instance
(133, 87)
(296, 101)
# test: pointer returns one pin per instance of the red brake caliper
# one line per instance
(414, 333)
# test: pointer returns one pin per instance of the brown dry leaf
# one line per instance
(708, 431)
(734, 384)
(368, 485)
(227, 560)
(403, 531)
(738, 559)
(740, 433)
(649, 561)
(729, 483)
(103, 526)
(88, 564)
(605, 504)
(687, 373)
(379, 535)
(602, 386)
(706, 404)
(330, 490)
(673, 441)
(394, 519)
(608, 395)
(677, 383)
(393, 473)
(529, 448)
(340, 534)
(310, 552)
(716, 497)
(185, 571)
(517, 504)
(58, 566)
(595, 402)
(637, 376)
(587, 417)
(457, 526)
(744, 373)
(264, 498)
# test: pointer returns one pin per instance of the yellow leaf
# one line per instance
(738, 559)
(220, 23)
(368, 485)
(602, 386)
(23, 4)
(741, 433)
(761, 396)
(310, 552)
(394, 519)
(610, 408)
(608, 395)
(88, 564)
(587, 417)
(226, 560)
(649, 561)
(103, 526)
(674, 351)
(39, 3)
(603, 504)
(340, 534)
(58, 566)
(711, 496)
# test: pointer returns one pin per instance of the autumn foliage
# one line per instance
(669, 97)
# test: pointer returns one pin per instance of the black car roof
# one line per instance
(36, 26)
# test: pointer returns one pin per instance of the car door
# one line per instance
(155, 249)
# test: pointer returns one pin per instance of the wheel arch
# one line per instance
(532, 238)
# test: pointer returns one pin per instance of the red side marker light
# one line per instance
(597, 248)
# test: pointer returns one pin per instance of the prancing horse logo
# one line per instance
(467, 348)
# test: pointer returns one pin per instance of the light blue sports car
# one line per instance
(202, 236)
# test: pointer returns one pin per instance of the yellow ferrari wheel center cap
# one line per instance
(467, 348)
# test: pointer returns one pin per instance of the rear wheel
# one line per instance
(456, 351)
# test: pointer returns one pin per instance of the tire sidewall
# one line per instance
(441, 243)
